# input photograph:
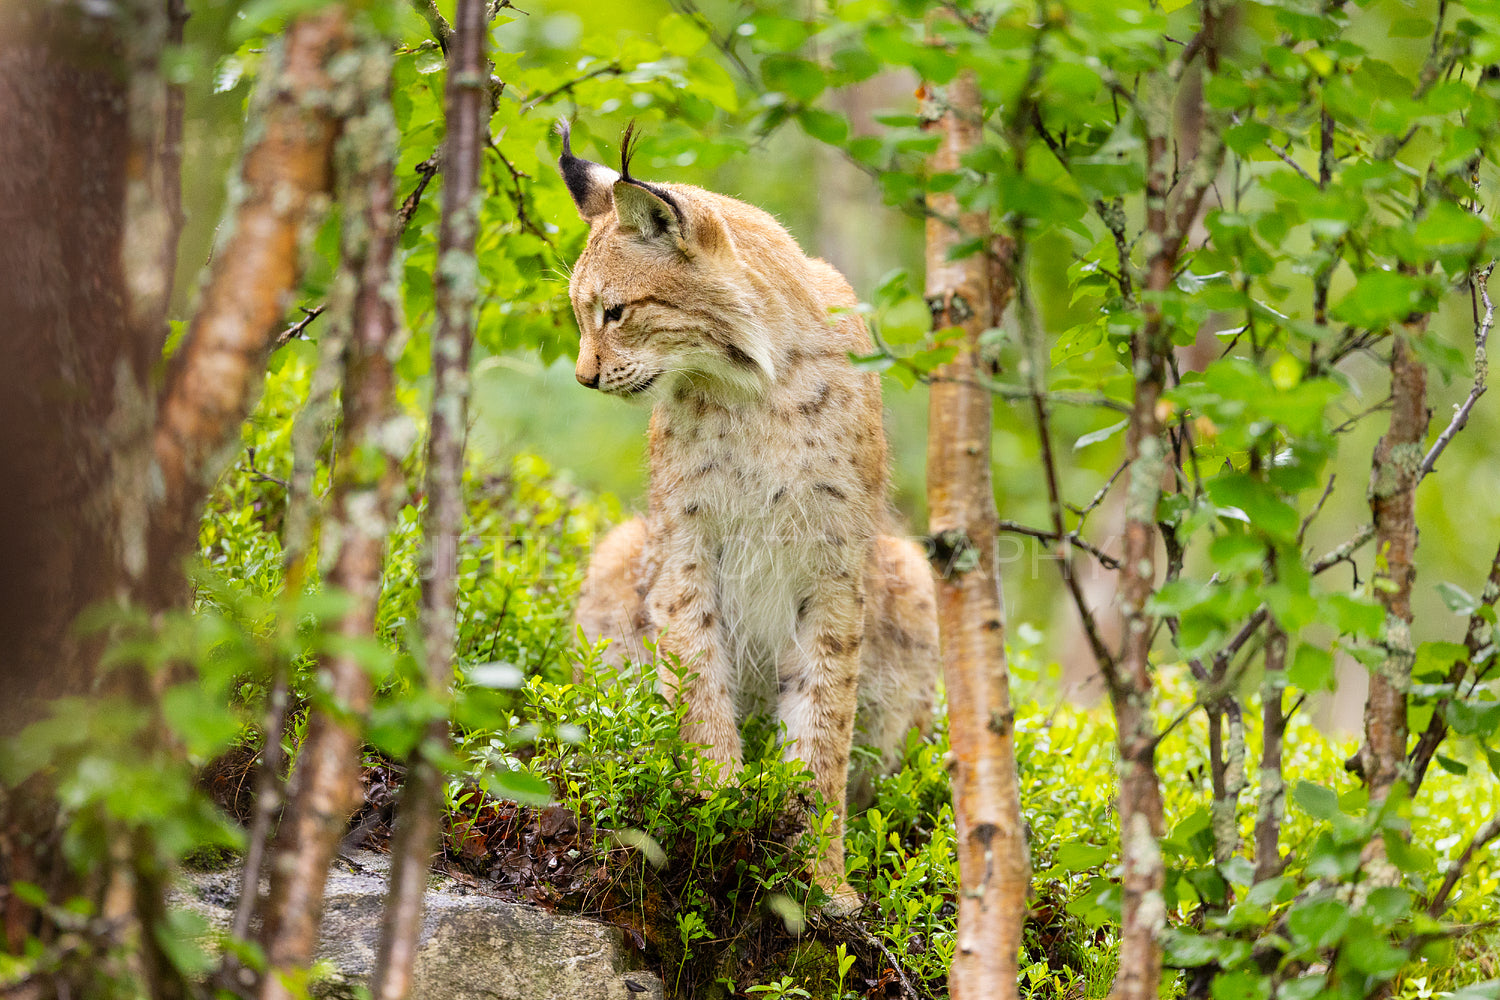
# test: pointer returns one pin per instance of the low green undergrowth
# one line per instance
(571, 785)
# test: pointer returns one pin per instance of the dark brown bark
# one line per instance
(325, 787)
(1394, 474)
(215, 375)
(422, 794)
(64, 130)
(994, 868)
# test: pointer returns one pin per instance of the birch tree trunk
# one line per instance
(994, 869)
(325, 786)
(455, 289)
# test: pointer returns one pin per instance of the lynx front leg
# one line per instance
(818, 680)
(682, 603)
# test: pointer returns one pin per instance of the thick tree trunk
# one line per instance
(325, 788)
(72, 357)
(455, 290)
(994, 869)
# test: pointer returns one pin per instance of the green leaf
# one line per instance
(1103, 434)
(1452, 766)
(1241, 985)
(799, 79)
(1311, 668)
(1380, 298)
(1355, 616)
(1373, 955)
(1474, 718)
(1266, 511)
(1319, 922)
(1237, 552)
(1080, 857)
(518, 786)
(1187, 950)
(825, 126)
(680, 35)
(1459, 601)
(1317, 801)
(1387, 905)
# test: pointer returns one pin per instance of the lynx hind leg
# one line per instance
(899, 661)
(612, 602)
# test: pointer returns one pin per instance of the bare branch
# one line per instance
(1477, 639)
(1070, 538)
(1482, 837)
(426, 170)
(298, 328)
(1478, 284)
(608, 69)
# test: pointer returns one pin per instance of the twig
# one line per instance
(1070, 537)
(1477, 638)
(1344, 552)
(896, 965)
(298, 328)
(722, 42)
(1098, 498)
(1317, 509)
(1384, 404)
(518, 196)
(261, 475)
(1478, 283)
(1286, 158)
(426, 170)
(436, 22)
(1481, 838)
(608, 69)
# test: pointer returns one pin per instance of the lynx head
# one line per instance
(662, 292)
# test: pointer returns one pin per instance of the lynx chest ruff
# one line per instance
(773, 497)
(764, 563)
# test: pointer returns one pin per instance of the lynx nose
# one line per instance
(590, 381)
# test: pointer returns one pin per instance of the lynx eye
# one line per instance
(613, 313)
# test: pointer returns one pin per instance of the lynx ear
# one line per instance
(646, 212)
(646, 208)
(591, 184)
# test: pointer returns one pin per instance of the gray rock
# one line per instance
(472, 946)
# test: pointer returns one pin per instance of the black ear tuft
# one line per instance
(627, 150)
(591, 184)
(653, 223)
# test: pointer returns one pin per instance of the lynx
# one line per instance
(766, 561)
